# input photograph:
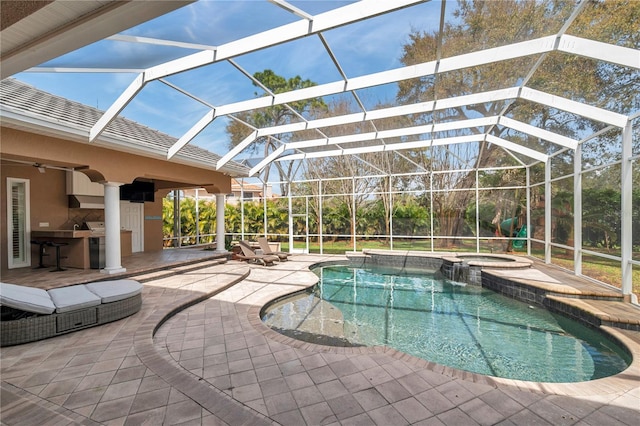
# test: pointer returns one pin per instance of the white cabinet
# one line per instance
(79, 184)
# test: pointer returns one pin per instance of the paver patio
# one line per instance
(213, 362)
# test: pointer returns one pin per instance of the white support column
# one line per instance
(290, 205)
(306, 223)
(547, 212)
(242, 209)
(477, 215)
(353, 212)
(431, 209)
(177, 234)
(320, 233)
(197, 217)
(577, 210)
(265, 222)
(390, 213)
(529, 230)
(113, 256)
(626, 186)
(220, 248)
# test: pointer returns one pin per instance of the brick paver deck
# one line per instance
(211, 361)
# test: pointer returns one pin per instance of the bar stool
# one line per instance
(42, 253)
(57, 246)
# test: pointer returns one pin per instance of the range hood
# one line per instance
(86, 202)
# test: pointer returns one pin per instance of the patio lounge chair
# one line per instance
(266, 249)
(30, 314)
(251, 256)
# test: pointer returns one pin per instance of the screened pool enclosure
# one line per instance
(405, 125)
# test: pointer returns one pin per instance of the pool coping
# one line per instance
(626, 380)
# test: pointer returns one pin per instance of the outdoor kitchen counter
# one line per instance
(77, 250)
(61, 233)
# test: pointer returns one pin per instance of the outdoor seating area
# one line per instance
(152, 370)
(266, 249)
(30, 314)
(41, 253)
(250, 255)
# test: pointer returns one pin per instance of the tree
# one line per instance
(409, 217)
(601, 219)
(583, 79)
(274, 116)
(167, 221)
(372, 170)
(277, 216)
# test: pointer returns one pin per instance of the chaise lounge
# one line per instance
(266, 249)
(30, 314)
(250, 256)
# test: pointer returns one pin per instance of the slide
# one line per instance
(519, 244)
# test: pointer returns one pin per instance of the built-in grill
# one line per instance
(96, 244)
(96, 228)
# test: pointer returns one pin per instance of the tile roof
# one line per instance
(28, 101)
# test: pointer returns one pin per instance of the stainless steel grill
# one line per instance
(96, 228)
(96, 244)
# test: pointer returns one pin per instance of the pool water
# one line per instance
(464, 327)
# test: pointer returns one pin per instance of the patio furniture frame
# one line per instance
(38, 327)
(266, 249)
(250, 256)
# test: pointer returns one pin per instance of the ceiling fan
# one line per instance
(42, 167)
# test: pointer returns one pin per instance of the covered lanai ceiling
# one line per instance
(190, 73)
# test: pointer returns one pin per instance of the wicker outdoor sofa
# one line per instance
(30, 314)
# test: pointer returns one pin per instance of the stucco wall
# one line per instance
(153, 224)
(102, 163)
(48, 197)
(48, 203)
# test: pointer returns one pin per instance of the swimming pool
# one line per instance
(464, 327)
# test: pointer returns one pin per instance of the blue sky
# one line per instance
(361, 48)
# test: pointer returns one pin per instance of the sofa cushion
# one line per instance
(73, 298)
(112, 291)
(29, 299)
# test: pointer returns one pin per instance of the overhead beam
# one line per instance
(422, 107)
(397, 146)
(86, 70)
(291, 8)
(120, 103)
(606, 52)
(236, 150)
(516, 50)
(192, 133)
(324, 21)
(268, 159)
(537, 46)
(393, 133)
(517, 148)
(88, 27)
(160, 42)
(583, 110)
(541, 45)
(538, 132)
(454, 102)
(384, 147)
(392, 76)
